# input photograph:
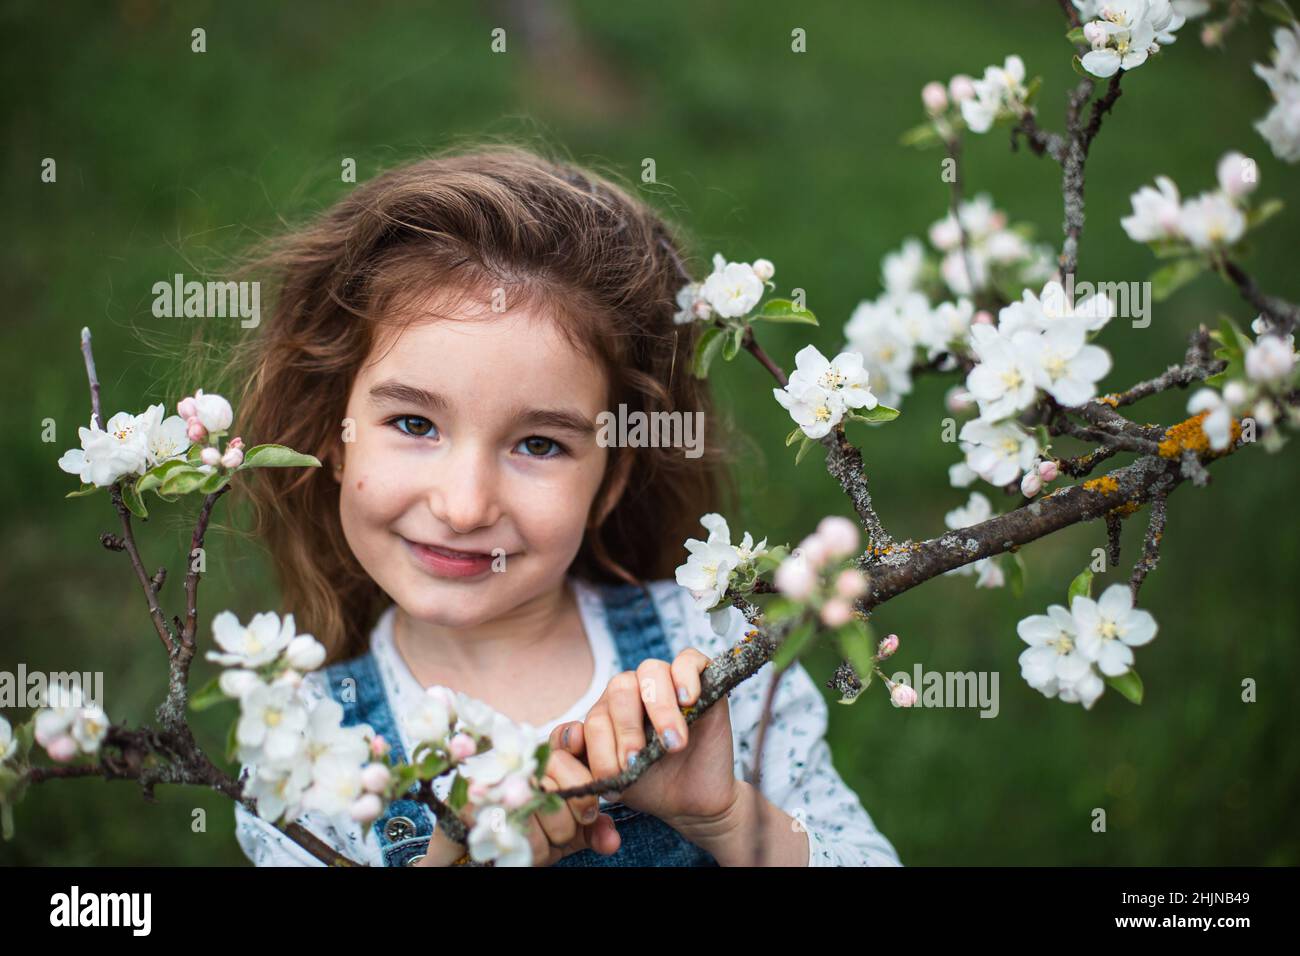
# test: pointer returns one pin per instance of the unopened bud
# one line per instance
(763, 268)
(837, 612)
(1031, 484)
(366, 808)
(1048, 470)
(961, 87)
(375, 777)
(902, 695)
(887, 646)
(935, 98)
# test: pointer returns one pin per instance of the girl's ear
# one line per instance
(622, 471)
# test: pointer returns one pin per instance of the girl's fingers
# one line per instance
(626, 714)
(565, 770)
(686, 670)
(658, 695)
(569, 738)
(601, 746)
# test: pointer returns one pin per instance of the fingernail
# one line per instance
(671, 740)
(590, 815)
(631, 756)
(564, 737)
(683, 694)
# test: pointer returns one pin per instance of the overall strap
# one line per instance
(634, 624)
(405, 827)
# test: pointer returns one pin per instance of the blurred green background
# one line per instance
(171, 161)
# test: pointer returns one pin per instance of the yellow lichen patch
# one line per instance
(1104, 484)
(1127, 508)
(1188, 435)
(1112, 400)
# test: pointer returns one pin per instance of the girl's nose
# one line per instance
(463, 495)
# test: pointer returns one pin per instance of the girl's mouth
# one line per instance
(449, 563)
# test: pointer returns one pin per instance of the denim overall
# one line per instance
(407, 825)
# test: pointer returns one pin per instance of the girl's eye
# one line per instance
(537, 446)
(414, 425)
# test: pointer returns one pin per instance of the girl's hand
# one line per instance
(695, 783)
(578, 825)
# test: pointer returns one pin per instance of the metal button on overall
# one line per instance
(399, 828)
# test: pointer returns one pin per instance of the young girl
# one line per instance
(443, 341)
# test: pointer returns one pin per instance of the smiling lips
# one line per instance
(449, 563)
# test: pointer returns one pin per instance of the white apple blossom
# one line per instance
(1002, 90)
(271, 725)
(213, 412)
(688, 298)
(108, 454)
(1002, 380)
(1217, 425)
(732, 289)
(494, 839)
(1211, 220)
(1270, 360)
(474, 715)
(278, 790)
(1281, 126)
(901, 270)
(1133, 30)
(814, 409)
(842, 377)
(1238, 175)
(335, 786)
(259, 643)
(1053, 660)
(1066, 367)
(8, 743)
(236, 681)
(1110, 627)
(305, 653)
(707, 571)
(875, 333)
(999, 453)
(430, 721)
(1155, 213)
(513, 751)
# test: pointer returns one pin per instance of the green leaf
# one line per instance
(1167, 280)
(732, 344)
(1076, 36)
(277, 456)
(783, 310)
(133, 501)
(921, 137)
(791, 438)
(780, 609)
(182, 481)
(1129, 684)
(1044, 437)
(214, 481)
(1080, 586)
(194, 452)
(85, 489)
(706, 350)
(1031, 91)
(459, 794)
(433, 764)
(208, 695)
(1171, 249)
(1015, 569)
(803, 448)
(153, 478)
(541, 755)
(1263, 212)
(874, 416)
(793, 644)
(855, 644)
(1077, 65)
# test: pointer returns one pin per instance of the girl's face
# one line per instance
(475, 437)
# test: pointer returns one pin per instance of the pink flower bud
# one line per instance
(194, 430)
(235, 442)
(186, 408)
(958, 400)
(851, 584)
(1211, 34)
(375, 777)
(378, 746)
(902, 695)
(1095, 34)
(887, 646)
(763, 268)
(210, 456)
(1048, 470)
(935, 98)
(1238, 175)
(62, 748)
(983, 317)
(515, 792)
(462, 746)
(840, 535)
(795, 578)
(1031, 484)
(837, 612)
(961, 87)
(233, 458)
(366, 808)
(813, 549)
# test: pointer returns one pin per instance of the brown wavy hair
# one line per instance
(601, 262)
